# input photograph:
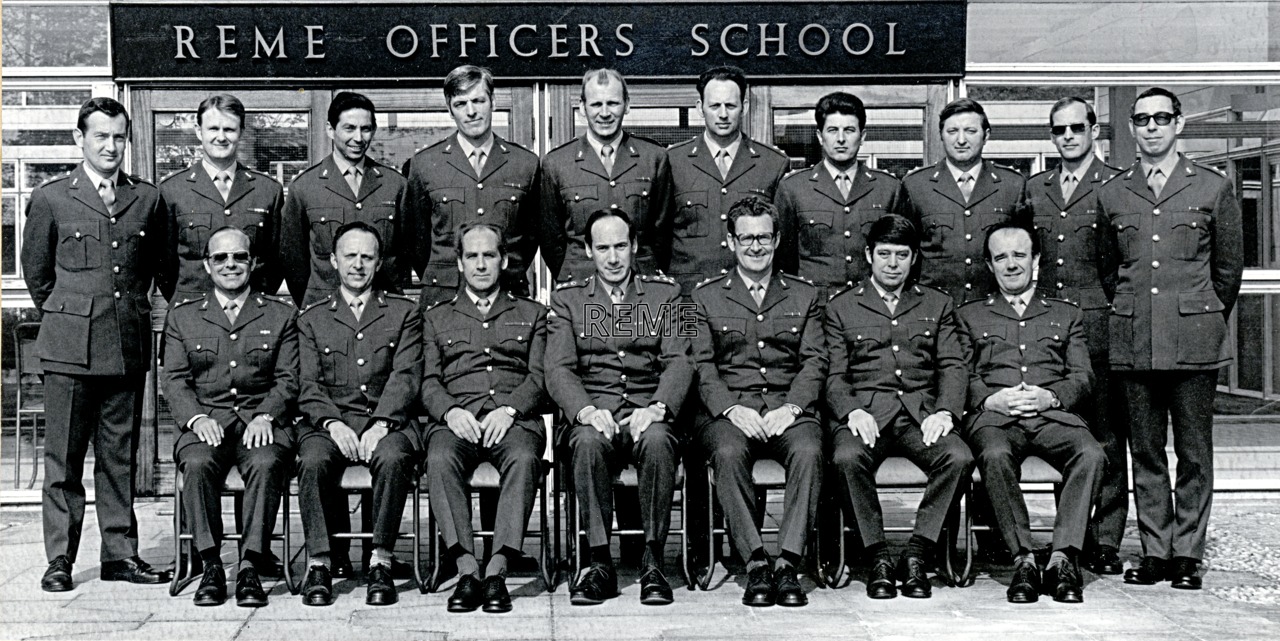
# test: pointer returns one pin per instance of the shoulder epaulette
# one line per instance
(188, 301)
(56, 179)
(797, 172)
(564, 144)
(1119, 174)
(439, 303)
(308, 170)
(681, 143)
(1208, 168)
(570, 283)
(918, 170)
(843, 289)
(1042, 173)
(507, 145)
(878, 171)
(706, 281)
(318, 304)
(137, 180)
(657, 278)
(1006, 168)
(797, 278)
(645, 139)
(404, 297)
(1059, 300)
(283, 300)
(978, 300)
(931, 288)
(174, 174)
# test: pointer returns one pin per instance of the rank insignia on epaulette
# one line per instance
(324, 174)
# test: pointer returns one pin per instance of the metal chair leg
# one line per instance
(686, 565)
(285, 561)
(544, 544)
(417, 531)
(705, 582)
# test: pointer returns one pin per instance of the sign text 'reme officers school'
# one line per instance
(886, 39)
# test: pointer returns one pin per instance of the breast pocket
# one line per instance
(324, 222)
(453, 344)
(447, 207)
(922, 334)
(79, 245)
(1190, 234)
(728, 333)
(382, 215)
(261, 354)
(506, 207)
(1201, 329)
(816, 232)
(384, 351)
(1127, 236)
(1052, 339)
(193, 234)
(251, 221)
(202, 358)
(692, 218)
(335, 366)
(580, 200)
(938, 228)
(636, 199)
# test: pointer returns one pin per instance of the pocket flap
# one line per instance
(818, 217)
(990, 331)
(454, 336)
(333, 347)
(79, 230)
(207, 344)
(447, 194)
(939, 220)
(869, 333)
(692, 198)
(1201, 302)
(77, 305)
(728, 325)
(1122, 304)
(579, 193)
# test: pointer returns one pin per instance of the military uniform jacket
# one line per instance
(575, 184)
(320, 201)
(483, 363)
(231, 371)
(444, 194)
(1044, 347)
(823, 233)
(617, 357)
(952, 231)
(88, 272)
(1073, 258)
(885, 362)
(361, 371)
(196, 210)
(759, 357)
(1180, 264)
(694, 218)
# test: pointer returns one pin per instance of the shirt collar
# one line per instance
(1166, 166)
(364, 298)
(467, 147)
(763, 282)
(222, 299)
(1079, 173)
(715, 149)
(598, 144)
(344, 164)
(831, 169)
(214, 171)
(1025, 297)
(97, 179)
(475, 298)
(956, 173)
(608, 289)
(897, 292)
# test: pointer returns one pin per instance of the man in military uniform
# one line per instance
(954, 202)
(827, 209)
(1063, 204)
(93, 242)
(231, 380)
(1176, 229)
(710, 173)
(618, 366)
(218, 192)
(605, 168)
(345, 187)
(473, 176)
(761, 363)
(896, 387)
(361, 355)
(483, 358)
(1029, 380)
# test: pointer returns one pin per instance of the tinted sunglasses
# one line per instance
(221, 257)
(1077, 128)
(1163, 118)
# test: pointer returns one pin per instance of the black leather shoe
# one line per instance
(1025, 585)
(213, 587)
(760, 592)
(341, 568)
(496, 598)
(249, 592)
(1063, 582)
(1105, 560)
(790, 594)
(317, 588)
(57, 578)
(654, 589)
(381, 590)
(1183, 574)
(134, 570)
(913, 573)
(880, 582)
(467, 595)
(1150, 571)
(598, 584)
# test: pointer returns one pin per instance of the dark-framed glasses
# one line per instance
(222, 257)
(1076, 128)
(747, 240)
(1162, 118)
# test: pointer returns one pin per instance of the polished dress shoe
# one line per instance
(1150, 571)
(1063, 582)
(317, 587)
(382, 590)
(249, 592)
(1025, 585)
(496, 598)
(467, 595)
(1105, 560)
(914, 576)
(341, 568)
(654, 589)
(760, 592)
(57, 578)
(134, 570)
(880, 582)
(1183, 573)
(213, 586)
(789, 592)
(598, 584)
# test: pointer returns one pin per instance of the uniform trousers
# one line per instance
(596, 461)
(1108, 421)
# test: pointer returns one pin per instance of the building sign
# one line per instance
(884, 39)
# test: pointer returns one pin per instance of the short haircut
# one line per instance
(462, 79)
(346, 101)
(107, 106)
(963, 106)
(752, 206)
(469, 227)
(1010, 224)
(724, 72)
(893, 229)
(1159, 91)
(601, 214)
(222, 102)
(356, 225)
(603, 77)
(228, 228)
(840, 102)
(1063, 103)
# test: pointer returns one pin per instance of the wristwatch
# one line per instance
(662, 407)
(270, 418)
(382, 423)
(795, 409)
(511, 411)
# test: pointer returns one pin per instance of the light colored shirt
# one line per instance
(763, 282)
(882, 291)
(715, 149)
(1079, 174)
(1166, 166)
(831, 169)
(214, 171)
(956, 173)
(97, 179)
(486, 147)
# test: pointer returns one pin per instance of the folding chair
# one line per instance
(1035, 476)
(30, 399)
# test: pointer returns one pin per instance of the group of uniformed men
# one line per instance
(827, 319)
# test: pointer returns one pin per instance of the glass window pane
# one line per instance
(10, 170)
(66, 98)
(11, 98)
(898, 166)
(895, 131)
(38, 172)
(273, 142)
(55, 36)
(8, 236)
(401, 134)
(39, 137)
(664, 125)
(1250, 339)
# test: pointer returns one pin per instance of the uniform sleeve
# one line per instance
(161, 253)
(1108, 251)
(953, 373)
(527, 396)
(417, 211)
(677, 366)
(401, 392)
(788, 253)
(435, 397)
(269, 252)
(39, 244)
(176, 377)
(659, 192)
(280, 399)
(840, 393)
(978, 390)
(172, 252)
(806, 387)
(295, 243)
(528, 218)
(313, 398)
(402, 278)
(715, 393)
(552, 228)
(664, 221)
(563, 383)
(1227, 262)
(1073, 389)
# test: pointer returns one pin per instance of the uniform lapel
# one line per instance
(214, 313)
(497, 158)
(823, 184)
(1091, 175)
(747, 158)
(869, 298)
(1053, 188)
(457, 159)
(1137, 183)
(82, 189)
(736, 291)
(588, 160)
(334, 181)
(200, 184)
(126, 193)
(373, 310)
(252, 309)
(342, 311)
(372, 180)
(863, 183)
(241, 186)
(1036, 307)
(775, 293)
(701, 159)
(945, 185)
(987, 183)
(625, 156)
(1181, 179)
(910, 298)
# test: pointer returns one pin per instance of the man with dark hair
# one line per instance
(825, 211)
(618, 366)
(361, 357)
(231, 379)
(347, 186)
(1029, 380)
(896, 387)
(93, 242)
(483, 358)
(761, 363)
(472, 176)
(1063, 204)
(605, 168)
(219, 191)
(1175, 227)
(710, 173)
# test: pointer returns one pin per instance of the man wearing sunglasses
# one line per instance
(1177, 249)
(1063, 203)
(231, 378)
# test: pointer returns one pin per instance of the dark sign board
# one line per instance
(888, 39)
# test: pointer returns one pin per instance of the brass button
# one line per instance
(1024, 368)
(846, 210)
(968, 236)
(968, 212)
(480, 211)
(1060, 261)
(1064, 214)
(1022, 323)
(488, 368)
(848, 259)
(485, 325)
(1062, 237)
(114, 244)
(968, 261)
(360, 362)
(848, 234)
(895, 348)
(1155, 290)
(115, 269)
(897, 372)
(117, 294)
(724, 217)
(492, 392)
(723, 190)
(760, 344)
(1155, 264)
(623, 378)
(1156, 211)
(233, 391)
(486, 350)
(226, 212)
(479, 185)
(613, 183)
(326, 350)
(359, 205)
(577, 197)
(359, 336)
(1060, 285)
(1156, 238)
(621, 354)
(764, 371)
(113, 220)
(968, 285)
(234, 336)
(364, 388)
(759, 317)
(894, 322)
(232, 363)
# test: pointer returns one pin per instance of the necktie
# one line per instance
(477, 161)
(842, 181)
(757, 292)
(223, 182)
(230, 309)
(482, 304)
(1068, 186)
(966, 186)
(891, 301)
(353, 180)
(1155, 180)
(606, 157)
(357, 306)
(107, 191)
(616, 294)
(723, 161)
(1018, 305)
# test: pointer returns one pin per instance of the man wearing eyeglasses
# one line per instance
(231, 379)
(1177, 244)
(1063, 203)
